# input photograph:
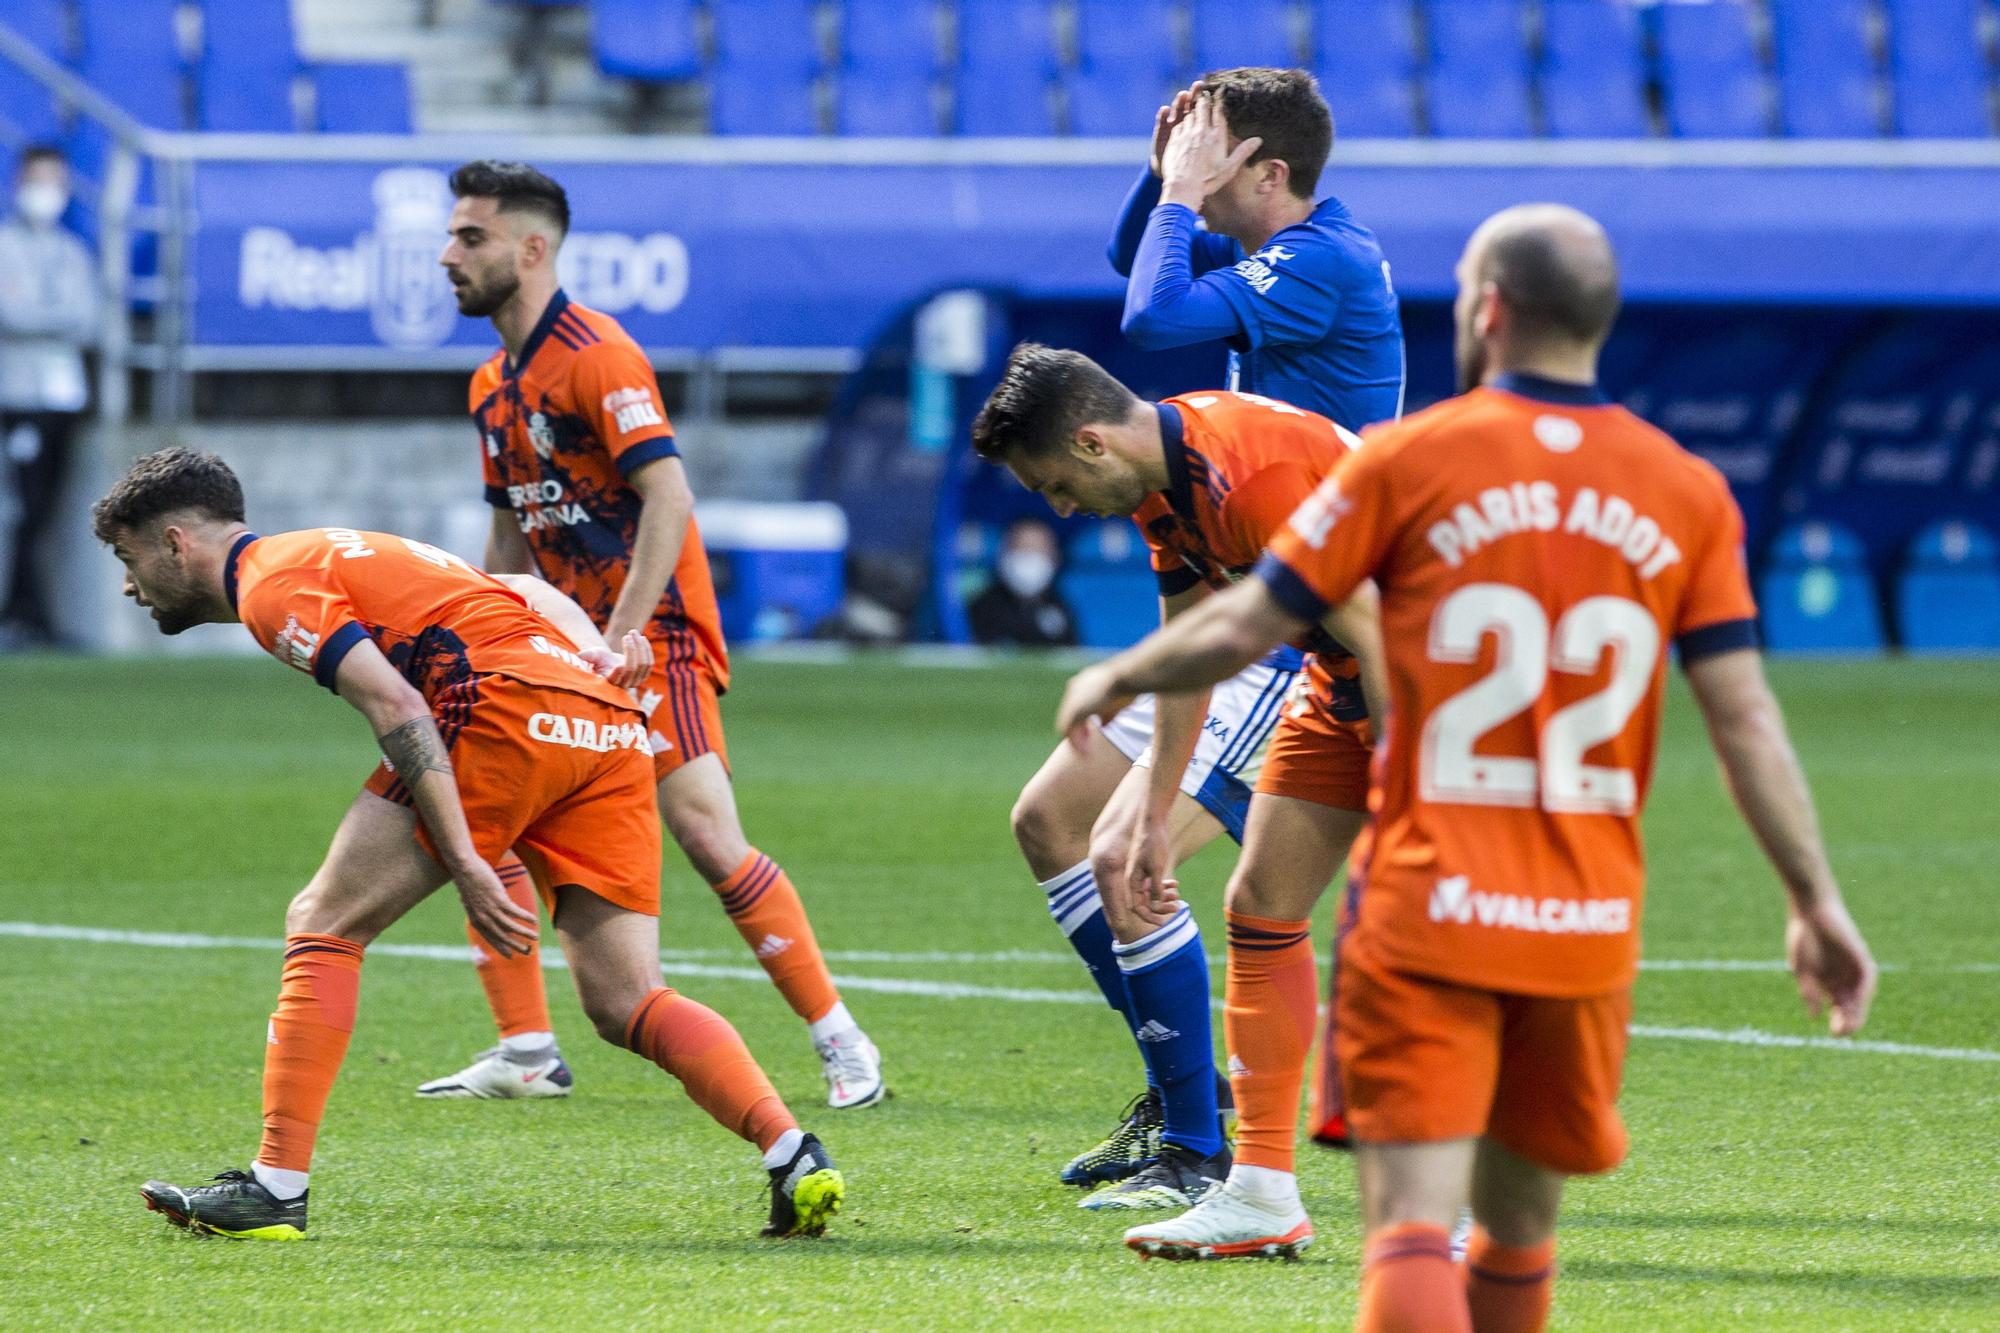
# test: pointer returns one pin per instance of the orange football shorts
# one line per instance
(684, 715)
(1315, 756)
(1423, 1060)
(562, 779)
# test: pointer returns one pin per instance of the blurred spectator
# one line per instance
(1021, 606)
(48, 315)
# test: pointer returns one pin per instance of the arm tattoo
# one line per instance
(415, 748)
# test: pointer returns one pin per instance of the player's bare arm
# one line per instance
(1209, 644)
(1148, 884)
(408, 735)
(1356, 625)
(624, 666)
(1829, 958)
(506, 549)
(667, 504)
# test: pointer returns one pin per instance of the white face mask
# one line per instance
(41, 202)
(1027, 573)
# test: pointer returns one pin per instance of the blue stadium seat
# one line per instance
(1007, 67)
(43, 22)
(1948, 594)
(1715, 86)
(652, 41)
(1479, 69)
(363, 99)
(1816, 595)
(1233, 33)
(1129, 65)
(889, 68)
(248, 64)
(1365, 54)
(1827, 81)
(1593, 70)
(1941, 74)
(27, 112)
(131, 54)
(767, 60)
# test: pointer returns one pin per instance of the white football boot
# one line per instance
(1228, 1223)
(852, 1068)
(493, 1075)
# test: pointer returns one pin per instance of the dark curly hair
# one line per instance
(1044, 397)
(168, 481)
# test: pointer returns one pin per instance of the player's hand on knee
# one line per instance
(506, 925)
(1835, 972)
(1149, 869)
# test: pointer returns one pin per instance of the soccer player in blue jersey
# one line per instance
(1301, 294)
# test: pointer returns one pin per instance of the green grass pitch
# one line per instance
(1768, 1186)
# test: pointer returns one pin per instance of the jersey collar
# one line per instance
(557, 304)
(229, 562)
(1547, 390)
(1180, 486)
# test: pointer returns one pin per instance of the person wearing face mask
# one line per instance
(1021, 606)
(48, 316)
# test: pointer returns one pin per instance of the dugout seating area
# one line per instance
(222, 65)
(1390, 68)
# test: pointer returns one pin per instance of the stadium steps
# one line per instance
(472, 70)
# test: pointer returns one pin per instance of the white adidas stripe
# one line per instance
(459, 953)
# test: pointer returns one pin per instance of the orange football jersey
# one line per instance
(1537, 550)
(309, 597)
(560, 430)
(1238, 466)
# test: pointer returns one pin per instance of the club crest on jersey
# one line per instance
(541, 435)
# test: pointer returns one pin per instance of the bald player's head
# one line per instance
(1537, 292)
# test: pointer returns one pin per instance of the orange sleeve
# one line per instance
(303, 618)
(484, 381)
(1334, 540)
(1717, 612)
(617, 394)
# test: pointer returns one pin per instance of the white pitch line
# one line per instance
(930, 989)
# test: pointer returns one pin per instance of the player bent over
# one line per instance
(502, 716)
(1536, 550)
(1208, 478)
(587, 490)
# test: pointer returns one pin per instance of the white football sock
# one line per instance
(785, 1149)
(832, 1023)
(528, 1043)
(283, 1184)
(1265, 1184)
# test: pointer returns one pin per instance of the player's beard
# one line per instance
(175, 610)
(1469, 355)
(481, 299)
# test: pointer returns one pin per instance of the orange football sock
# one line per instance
(760, 899)
(315, 1016)
(1409, 1283)
(1509, 1287)
(515, 988)
(1270, 1002)
(699, 1047)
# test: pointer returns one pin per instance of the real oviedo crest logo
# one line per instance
(412, 303)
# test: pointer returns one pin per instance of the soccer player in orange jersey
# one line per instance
(1537, 550)
(1208, 478)
(500, 712)
(588, 490)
